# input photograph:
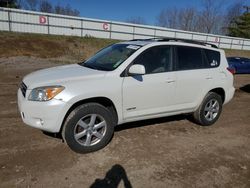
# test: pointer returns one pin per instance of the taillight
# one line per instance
(231, 69)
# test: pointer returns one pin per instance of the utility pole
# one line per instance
(247, 9)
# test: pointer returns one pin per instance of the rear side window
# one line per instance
(212, 57)
(189, 58)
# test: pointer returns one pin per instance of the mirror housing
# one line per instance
(137, 70)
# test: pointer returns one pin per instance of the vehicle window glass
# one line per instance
(246, 60)
(213, 58)
(155, 59)
(111, 57)
(189, 58)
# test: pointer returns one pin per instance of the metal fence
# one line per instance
(16, 20)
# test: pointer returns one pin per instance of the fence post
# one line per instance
(231, 45)
(242, 44)
(110, 30)
(133, 32)
(48, 24)
(81, 27)
(9, 20)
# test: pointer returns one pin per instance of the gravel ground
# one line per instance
(165, 152)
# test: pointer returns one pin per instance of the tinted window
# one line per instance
(213, 58)
(247, 61)
(111, 57)
(155, 59)
(189, 58)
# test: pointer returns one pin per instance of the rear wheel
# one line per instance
(209, 111)
(88, 128)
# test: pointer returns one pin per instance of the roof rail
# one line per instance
(165, 39)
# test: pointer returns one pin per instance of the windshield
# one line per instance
(111, 57)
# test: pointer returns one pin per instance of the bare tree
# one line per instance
(188, 19)
(59, 9)
(71, 12)
(46, 6)
(168, 18)
(10, 3)
(66, 10)
(31, 4)
(211, 19)
(136, 20)
(233, 13)
(185, 18)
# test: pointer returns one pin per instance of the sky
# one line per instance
(116, 10)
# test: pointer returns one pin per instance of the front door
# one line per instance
(152, 93)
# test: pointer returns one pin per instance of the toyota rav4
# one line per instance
(125, 82)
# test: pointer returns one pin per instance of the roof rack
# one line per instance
(166, 39)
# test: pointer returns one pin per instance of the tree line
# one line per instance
(40, 5)
(213, 17)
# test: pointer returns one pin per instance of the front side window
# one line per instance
(155, 59)
(111, 57)
(189, 58)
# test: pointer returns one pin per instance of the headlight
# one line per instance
(45, 93)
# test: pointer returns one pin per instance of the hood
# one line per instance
(60, 74)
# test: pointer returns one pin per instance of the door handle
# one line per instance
(170, 81)
(209, 78)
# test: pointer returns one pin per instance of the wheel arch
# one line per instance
(221, 92)
(108, 103)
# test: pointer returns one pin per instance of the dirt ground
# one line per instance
(166, 152)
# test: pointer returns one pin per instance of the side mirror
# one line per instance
(137, 70)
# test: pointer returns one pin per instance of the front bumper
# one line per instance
(47, 116)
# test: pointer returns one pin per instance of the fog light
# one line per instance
(41, 122)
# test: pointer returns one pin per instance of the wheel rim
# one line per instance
(211, 109)
(90, 129)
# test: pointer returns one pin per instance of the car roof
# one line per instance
(143, 42)
(137, 42)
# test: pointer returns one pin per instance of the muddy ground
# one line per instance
(166, 152)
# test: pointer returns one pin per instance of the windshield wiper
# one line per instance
(88, 66)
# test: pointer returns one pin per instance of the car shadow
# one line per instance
(245, 88)
(53, 135)
(113, 178)
(149, 122)
(136, 124)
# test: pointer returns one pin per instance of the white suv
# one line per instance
(125, 82)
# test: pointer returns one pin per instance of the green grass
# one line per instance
(49, 46)
(64, 47)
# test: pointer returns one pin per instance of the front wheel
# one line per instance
(209, 111)
(88, 128)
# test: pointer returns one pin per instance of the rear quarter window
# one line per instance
(212, 58)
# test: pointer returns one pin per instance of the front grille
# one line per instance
(23, 88)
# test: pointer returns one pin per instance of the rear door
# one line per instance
(192, 75)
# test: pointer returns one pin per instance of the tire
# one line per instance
(88, 128)
(209, 111)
